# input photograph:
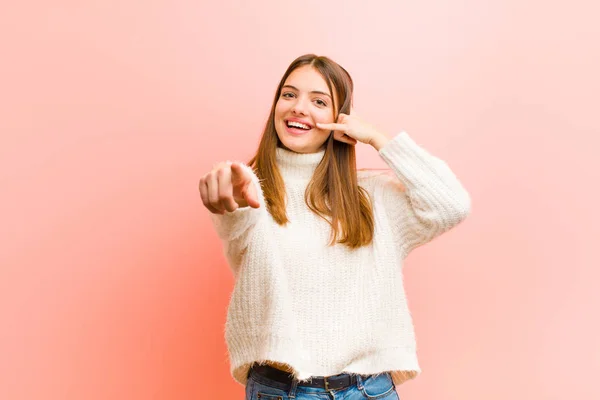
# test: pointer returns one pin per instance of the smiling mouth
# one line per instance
(298, 125)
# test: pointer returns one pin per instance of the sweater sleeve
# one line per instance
(426, 199)
(235, 225)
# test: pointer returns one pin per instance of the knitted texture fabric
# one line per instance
(328, 310)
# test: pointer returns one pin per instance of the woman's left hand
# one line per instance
(351, 129)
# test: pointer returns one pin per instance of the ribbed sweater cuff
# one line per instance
(413, 164)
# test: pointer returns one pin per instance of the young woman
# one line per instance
(318, 310)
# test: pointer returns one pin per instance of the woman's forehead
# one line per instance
(307, 79)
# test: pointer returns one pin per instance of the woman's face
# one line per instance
(305, 100)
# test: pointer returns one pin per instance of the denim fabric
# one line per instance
(367, 387)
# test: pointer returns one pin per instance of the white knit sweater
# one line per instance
(328, 310)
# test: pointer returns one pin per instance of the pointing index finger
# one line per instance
(333, 127)
(237, 173)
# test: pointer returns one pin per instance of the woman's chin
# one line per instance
(299, 143)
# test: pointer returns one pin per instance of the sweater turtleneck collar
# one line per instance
(298, 166)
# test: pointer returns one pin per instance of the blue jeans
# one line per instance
(367, 387)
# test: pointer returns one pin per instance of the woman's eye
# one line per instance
(290, 95)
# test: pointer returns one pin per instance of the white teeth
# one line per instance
(298, 125)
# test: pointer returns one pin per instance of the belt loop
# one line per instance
(292, 393)
(359, 382)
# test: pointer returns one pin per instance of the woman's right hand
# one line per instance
(227, 187)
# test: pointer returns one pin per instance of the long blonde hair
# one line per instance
(333, 191)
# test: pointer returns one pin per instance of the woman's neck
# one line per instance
(298, 166)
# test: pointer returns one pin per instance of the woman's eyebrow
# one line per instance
(314, 91)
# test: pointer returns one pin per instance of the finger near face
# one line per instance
(342, 137)
(336, 127)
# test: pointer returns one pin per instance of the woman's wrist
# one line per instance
(379, 140)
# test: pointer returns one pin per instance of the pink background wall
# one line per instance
(112, 280)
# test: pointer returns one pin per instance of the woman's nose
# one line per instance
(299, 107)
